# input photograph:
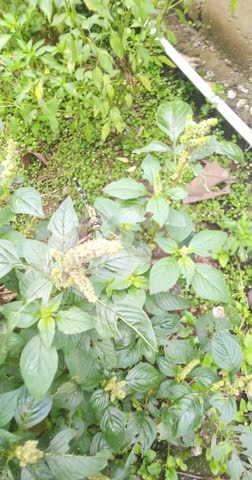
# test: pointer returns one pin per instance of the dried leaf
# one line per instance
(27, 157)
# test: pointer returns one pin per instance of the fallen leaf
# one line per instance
(27, 157)
(200, 188)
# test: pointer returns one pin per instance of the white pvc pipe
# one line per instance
(237, 123)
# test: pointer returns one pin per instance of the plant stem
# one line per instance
(194, 476)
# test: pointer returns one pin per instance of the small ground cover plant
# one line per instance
(121, 355)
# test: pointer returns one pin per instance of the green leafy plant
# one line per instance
(75, 59)
(239, 242)
(99, 350)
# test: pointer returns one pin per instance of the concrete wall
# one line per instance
(232, 32)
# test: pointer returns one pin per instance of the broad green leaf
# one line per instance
(135, 317)
(209, 283)
(105, 131)
(226, 406)
(179, 224)
(46, 327)
(76, 467)
(187, 269)
(60, 443)
(206, 376)
(142, 378)
(84, 367)
(145, 81)
(34, 285)
(154, 146)
(235, 468)
(141, 429)
(74, 320)
(68, 396)
(106, 321)
(163, 275)
(226, 351)
(164, 325)
(142, 10)
(177, 193)
(207, 242)
(166, 243)
(64, 225)
(47, 8)
(248, 348)
(4, 38)
(113, 425)
(189, 413)
(230, 150)
(29, 411)
(105, 60)
(179, 351)
(116, 44)
(8, 403)
(99, 402)
(125, 189)
(36, 253)
(8, 257)
(171, 302)
(99, 6)
(159, 207)
(27, 200)
(38, 362)
(151, 167)
(6, 216)
(171, 118)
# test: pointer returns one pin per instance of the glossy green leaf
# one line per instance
(8, 403)
(151, 167)
(125, 189)
(38, 362)
(171, 118)
(226, 351)
(63, 225)
(207, 242)
(226, 407)
(29, 411)
(59, 445)
(186, 269)
(47, 8)
(166, 243)
(116, 44)
(141, 429)
(4, 38)
(142, 378)
(113, 425)
(90, 375)
(36, 253)
(33, 285)
(46, 327)
(154, 146)
(179, 224)
(75, 467)
(135, 318)
(8, 257)
(189, 413)
(209, 283)
(27, 200)
(171, 302)
(106, 321)
(74, 320)
(159, 207)
(163, 275)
